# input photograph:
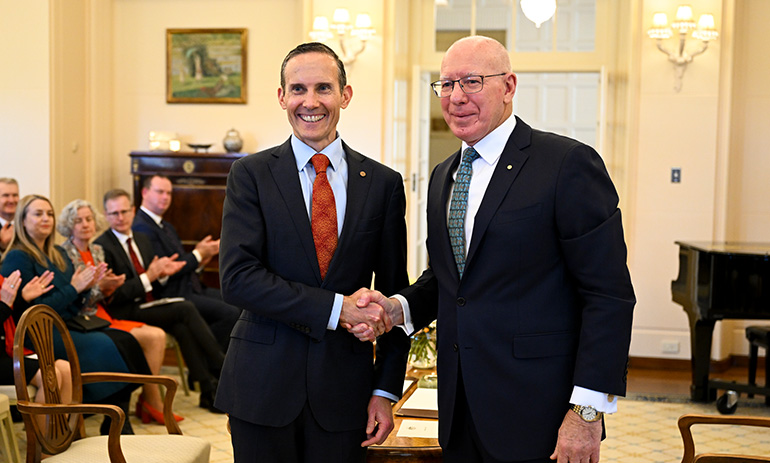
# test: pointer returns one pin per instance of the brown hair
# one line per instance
(22, 241)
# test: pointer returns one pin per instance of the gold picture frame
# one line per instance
(206, 65)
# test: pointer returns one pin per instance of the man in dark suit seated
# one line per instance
(156, 199)
(130, 253)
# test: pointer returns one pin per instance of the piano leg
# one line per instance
(701, 332)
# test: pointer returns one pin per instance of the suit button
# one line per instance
(455, 347)
(461, 301)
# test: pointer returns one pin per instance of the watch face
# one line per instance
(588, 413)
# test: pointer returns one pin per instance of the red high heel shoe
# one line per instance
(147, 412)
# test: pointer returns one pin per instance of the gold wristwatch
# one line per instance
(587, 413)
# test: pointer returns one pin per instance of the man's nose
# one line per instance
(457, 95)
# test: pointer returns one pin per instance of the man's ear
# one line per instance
(281, 100)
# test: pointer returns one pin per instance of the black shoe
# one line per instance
(207, 401)
(104, 429)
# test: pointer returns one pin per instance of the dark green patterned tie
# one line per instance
(458, 207)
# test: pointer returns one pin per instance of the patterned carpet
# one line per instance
(643, 431)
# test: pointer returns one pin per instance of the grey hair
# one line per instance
(70, 212)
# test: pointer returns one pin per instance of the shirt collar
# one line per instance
(303, 153)
(158, 219)
(121, 237)
(491, 146)
(3, 222)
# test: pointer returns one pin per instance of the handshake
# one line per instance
(368, 313)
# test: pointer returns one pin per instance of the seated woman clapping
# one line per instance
(32, 252)
(33, 289)
(78, 223)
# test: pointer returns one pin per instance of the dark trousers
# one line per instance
(219, 315)
(464, 445)
(302, 441)
(201, 351)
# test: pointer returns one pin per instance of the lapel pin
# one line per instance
(362, 173)
(509, 167)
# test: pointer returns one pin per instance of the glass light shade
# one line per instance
(659, 20)
(341, 15)
(538, 11)
(320, 23)
(364, 21)
(684, 13)
(706, 21)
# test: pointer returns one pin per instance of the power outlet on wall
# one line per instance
(669, 347)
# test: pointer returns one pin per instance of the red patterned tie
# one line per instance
(323, 218)
(138, 267)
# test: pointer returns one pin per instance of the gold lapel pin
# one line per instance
(509, 167)
(362, 173)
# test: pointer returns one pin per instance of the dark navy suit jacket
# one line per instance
(166, 244)
(545, 302)
(281, 355)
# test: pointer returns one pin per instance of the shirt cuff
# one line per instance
(387, 395)
(606, 403)
(146, 282)
(197, 255)
(408, 327)
(334, 319)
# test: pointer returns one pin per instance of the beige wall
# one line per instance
(24, 95)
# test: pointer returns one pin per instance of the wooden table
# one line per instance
(406, 449)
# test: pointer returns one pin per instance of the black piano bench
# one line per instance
(758, 336)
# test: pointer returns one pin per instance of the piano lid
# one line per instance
(728, 247)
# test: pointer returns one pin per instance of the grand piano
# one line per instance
(716, 281)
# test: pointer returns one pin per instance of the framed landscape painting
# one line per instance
(206, 65)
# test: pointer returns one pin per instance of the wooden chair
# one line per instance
(686, 422)
(64, 434)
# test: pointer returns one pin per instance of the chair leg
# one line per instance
(767, 374)
(180, 362)
(753, 353)
(10, 446)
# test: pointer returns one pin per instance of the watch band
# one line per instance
(587, 413)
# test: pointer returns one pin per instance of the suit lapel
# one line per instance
(438, 201)
(120, 253)
(508, 167)
(284, 171)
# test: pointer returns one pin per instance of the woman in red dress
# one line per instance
(78, 223)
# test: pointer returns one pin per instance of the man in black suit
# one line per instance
(299, 387)
(527, 278)
(156, 199)
(200, 349)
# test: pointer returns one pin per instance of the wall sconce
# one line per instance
(362, 30)
(538, 11)
(683, 24)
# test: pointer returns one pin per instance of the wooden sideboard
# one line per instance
(199, 181)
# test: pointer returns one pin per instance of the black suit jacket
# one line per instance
(166, 244)
(545, 302)
(281, 355)
(129, 295)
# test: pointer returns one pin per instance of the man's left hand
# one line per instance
(579, 440)
(208, 248)
(380, 422)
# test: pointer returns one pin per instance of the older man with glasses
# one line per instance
(527, 278)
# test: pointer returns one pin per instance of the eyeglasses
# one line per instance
(118, 213)
(468, 84)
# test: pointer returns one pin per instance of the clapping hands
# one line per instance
(35, 288)
(87, 276)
